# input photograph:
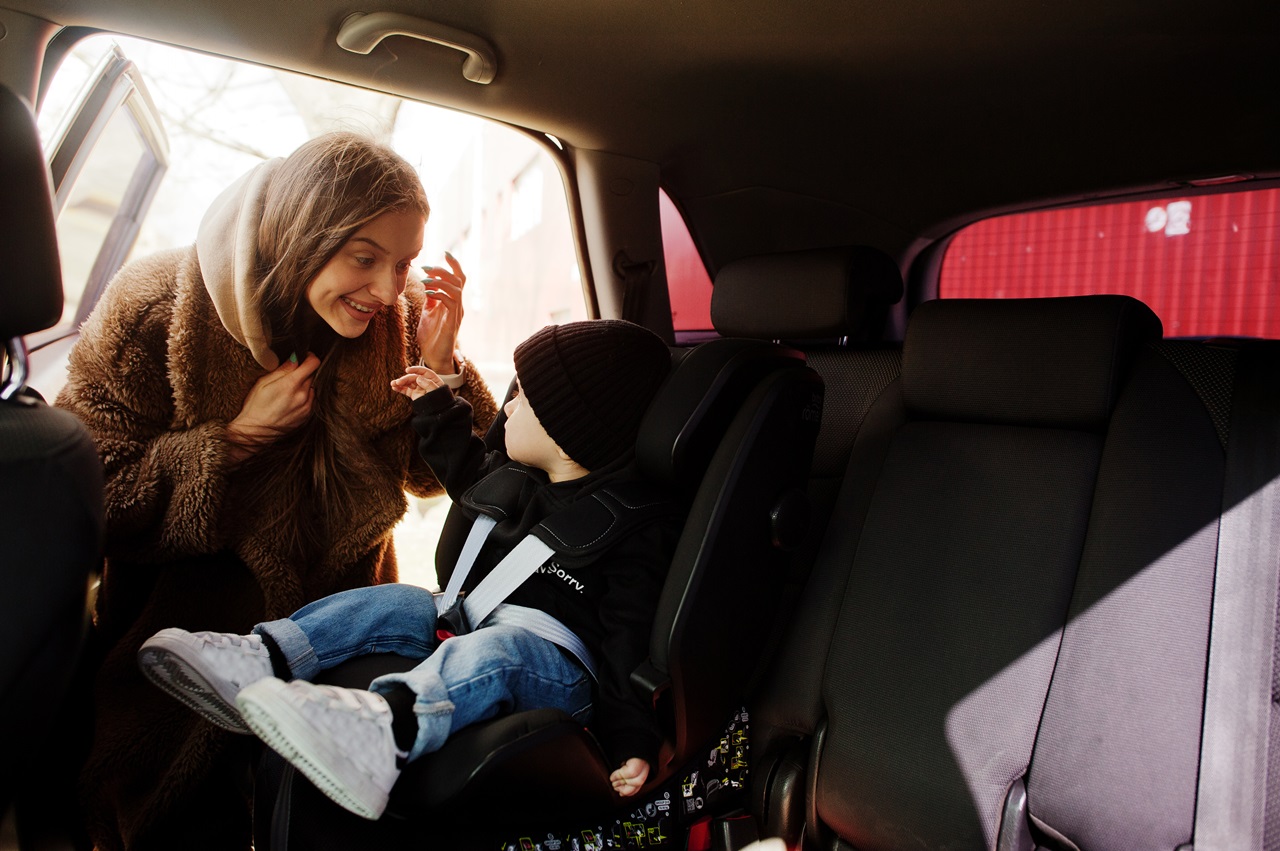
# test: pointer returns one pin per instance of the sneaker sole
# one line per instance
(276, 721)
(175, 668)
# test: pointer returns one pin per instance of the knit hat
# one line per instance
(589, 383)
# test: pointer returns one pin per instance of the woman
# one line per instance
(256, 460)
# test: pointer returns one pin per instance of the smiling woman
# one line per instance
(255, 457)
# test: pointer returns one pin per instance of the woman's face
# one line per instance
(368, 273)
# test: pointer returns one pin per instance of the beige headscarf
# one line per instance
(227, 245)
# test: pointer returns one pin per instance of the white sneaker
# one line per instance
(206, 670)
(339, 738)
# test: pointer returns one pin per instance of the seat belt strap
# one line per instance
(635, 277)
(480, 530)
(1231, 801)
(545, 626)
(485, 601)
(509, 574)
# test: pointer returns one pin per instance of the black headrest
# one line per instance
(692, 409)
(1052, 362)
(839, 289)
(30, 274)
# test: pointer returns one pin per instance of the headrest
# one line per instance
(843, 288)
(30, 274)
(688, 417)
(1052, 362)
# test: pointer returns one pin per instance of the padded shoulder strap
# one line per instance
(595, 523)
(497, 495)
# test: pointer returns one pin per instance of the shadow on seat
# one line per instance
(731, 432)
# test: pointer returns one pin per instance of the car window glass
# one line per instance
(1206, 264)
(496, 199)
(107, 153)
(688, 283)
(92, 205)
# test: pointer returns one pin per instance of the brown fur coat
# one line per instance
(156, 376)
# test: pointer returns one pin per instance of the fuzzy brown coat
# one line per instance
(156, 377)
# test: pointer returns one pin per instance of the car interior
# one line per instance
(976, 427)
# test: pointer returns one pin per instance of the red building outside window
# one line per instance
(1208, 265)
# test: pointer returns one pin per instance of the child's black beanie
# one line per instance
(589, 384)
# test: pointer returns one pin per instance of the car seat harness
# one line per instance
(586, 527)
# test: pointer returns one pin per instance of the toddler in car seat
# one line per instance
(566, 637)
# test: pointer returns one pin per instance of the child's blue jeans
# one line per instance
(494, 670)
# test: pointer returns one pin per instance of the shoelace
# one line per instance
(252, 641)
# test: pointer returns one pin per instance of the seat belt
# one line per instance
(480, 530)
(635, 277)
(1234, 787)
(508, 575)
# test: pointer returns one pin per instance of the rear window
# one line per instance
(688, 283)
(1208, 265)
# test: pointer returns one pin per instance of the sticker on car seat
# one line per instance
(712, 783)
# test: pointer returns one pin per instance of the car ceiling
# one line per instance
(792, 125)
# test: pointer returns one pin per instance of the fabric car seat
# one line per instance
(51, 479)
(840, 325)
(905, 708)
(1159, 728)
(731, 432)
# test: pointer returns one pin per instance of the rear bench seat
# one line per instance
(1006, 633)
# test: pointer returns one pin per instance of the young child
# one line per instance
(571, 429)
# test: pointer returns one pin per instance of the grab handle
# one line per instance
(363, 31)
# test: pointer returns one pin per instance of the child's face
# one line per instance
(368, 273)
(527, 441)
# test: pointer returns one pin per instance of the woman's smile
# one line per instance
(360, 311)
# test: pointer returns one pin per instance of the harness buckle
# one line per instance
(453, 621)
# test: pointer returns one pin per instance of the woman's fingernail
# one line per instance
(293, 358)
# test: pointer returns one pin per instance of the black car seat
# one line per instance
(51, 481)
(904, 709)
(841, 326)
(732, 432)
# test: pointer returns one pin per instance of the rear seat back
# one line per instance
(848, 293)
(914, 688)
(1116, 758)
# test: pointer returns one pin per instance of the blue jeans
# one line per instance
(495, 669)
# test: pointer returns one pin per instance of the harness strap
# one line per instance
(545, 626)
(507, 576)
(470, 550)
(485, 600)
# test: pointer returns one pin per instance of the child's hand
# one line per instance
(628, 779)
(417, 382)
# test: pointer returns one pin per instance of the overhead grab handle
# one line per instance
(362, 32)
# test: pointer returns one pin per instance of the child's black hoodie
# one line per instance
(607, 599)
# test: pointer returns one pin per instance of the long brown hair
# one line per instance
(318, 198)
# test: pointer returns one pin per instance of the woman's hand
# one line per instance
(628, 779)
(277, 403)
(441, 315)
(417, 382)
